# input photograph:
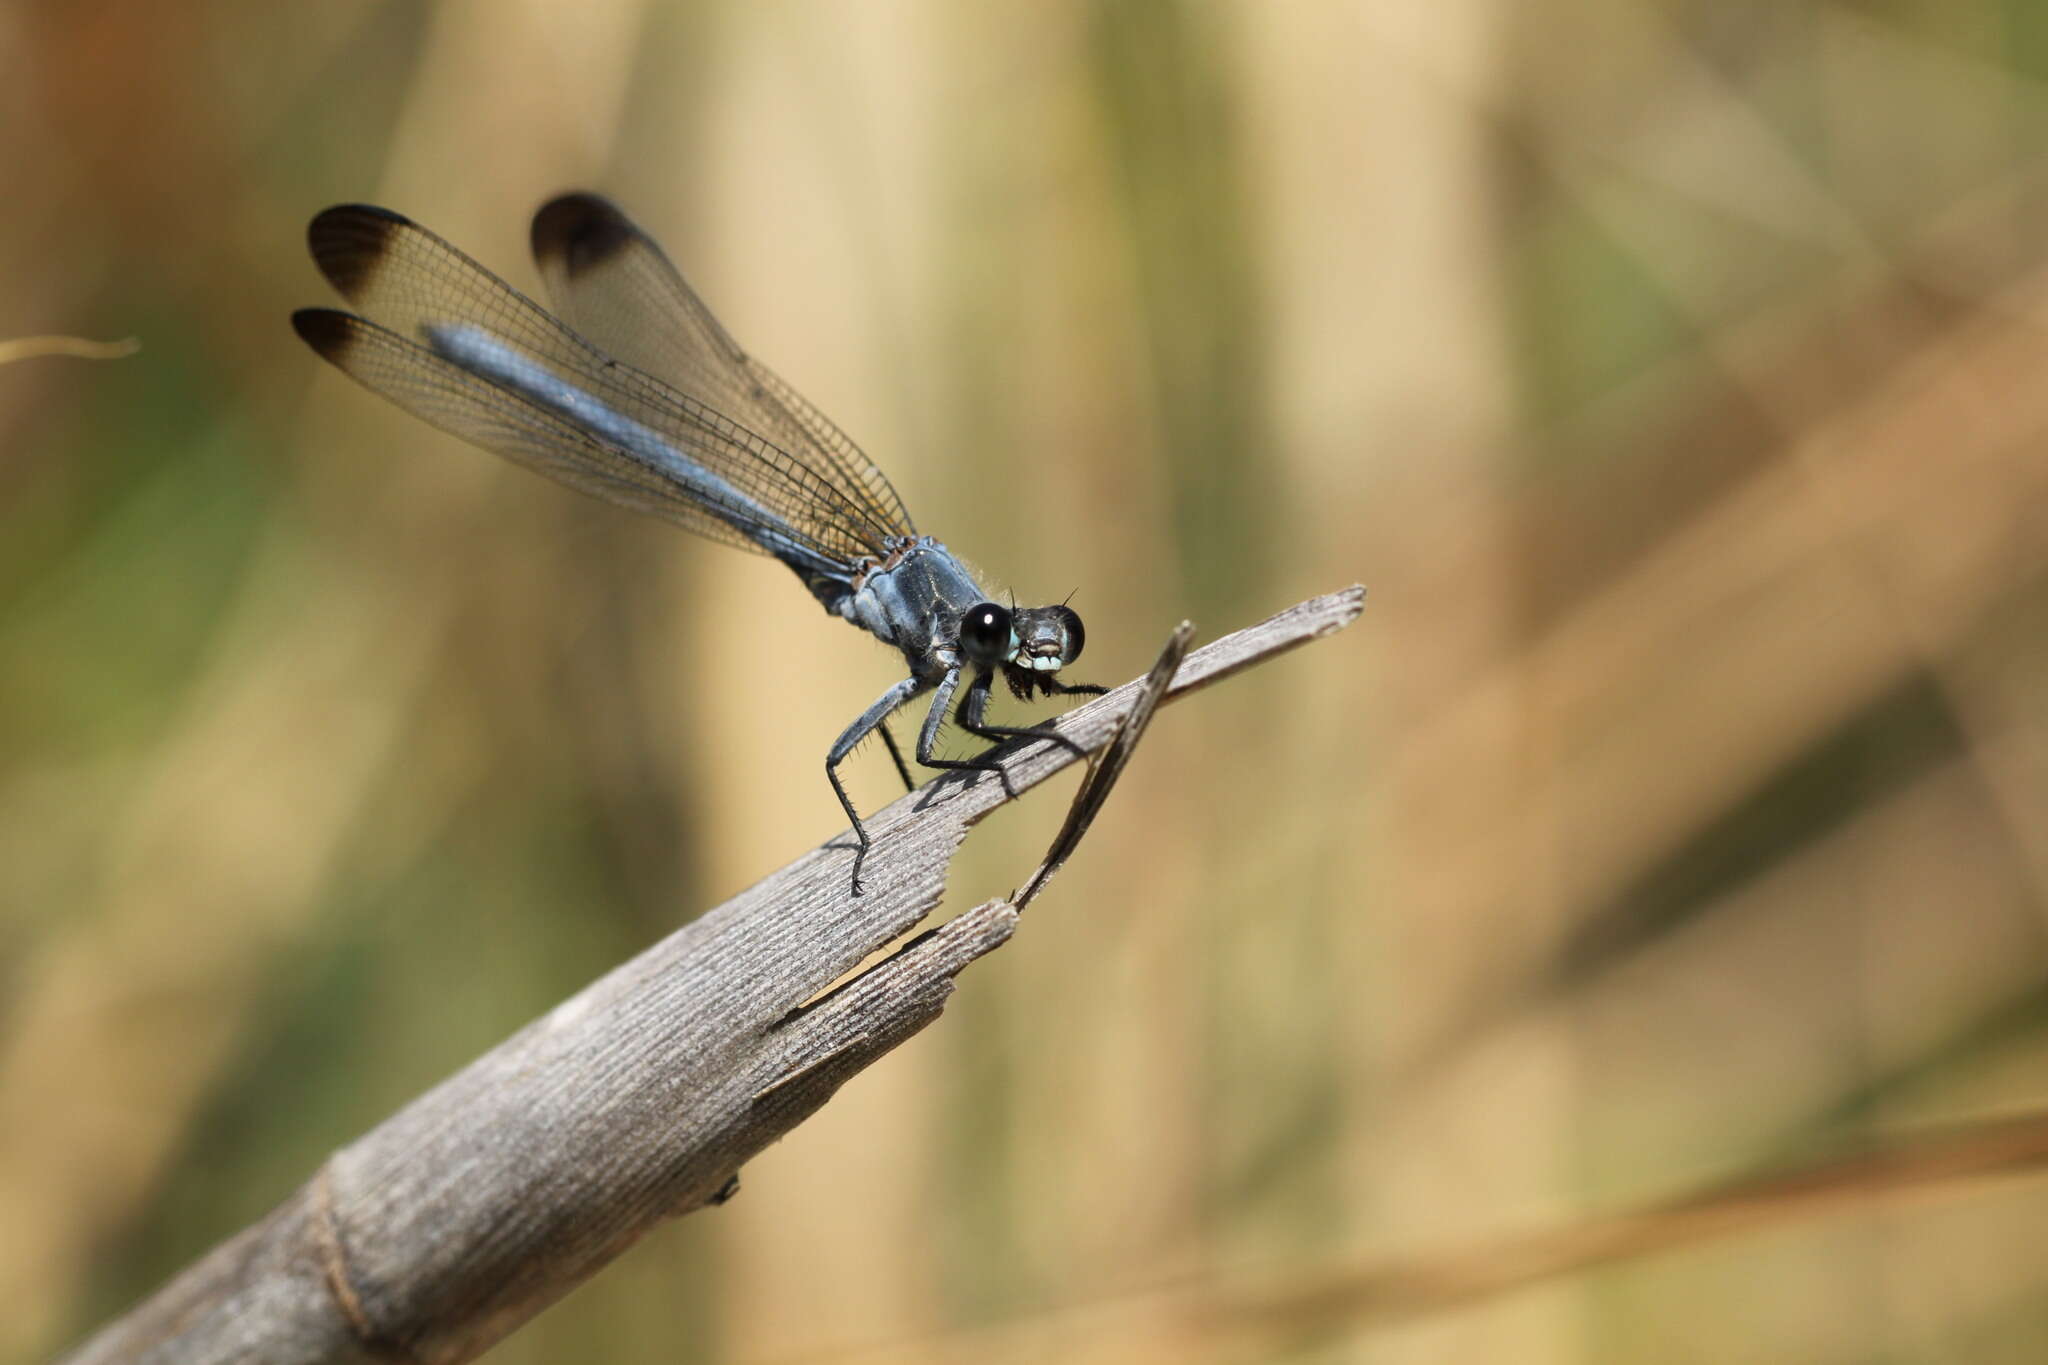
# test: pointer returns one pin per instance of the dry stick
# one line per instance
(490, 1196)
(1109, 765)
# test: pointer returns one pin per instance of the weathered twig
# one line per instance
(490, 1196)
(1109, 764)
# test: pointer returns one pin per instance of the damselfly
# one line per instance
(632, 391)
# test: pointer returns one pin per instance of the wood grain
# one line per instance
(490, 1196)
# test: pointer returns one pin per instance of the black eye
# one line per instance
(1070, 626)
(985, 634)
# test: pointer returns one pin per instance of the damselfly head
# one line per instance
(1030, 644)
(1047, 640)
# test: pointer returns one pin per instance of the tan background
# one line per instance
(1672, 374)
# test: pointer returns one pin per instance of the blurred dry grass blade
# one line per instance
(1934, 1161)
(1853, 553)
(453, 1222)
(29, 348)
(1154, 1323)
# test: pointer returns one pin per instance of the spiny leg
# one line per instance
(975, 704)
(902, 770)
(848, 738)
(928, 735)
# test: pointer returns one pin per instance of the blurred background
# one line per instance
(1672, 374)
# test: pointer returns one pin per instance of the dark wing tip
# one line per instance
(349, 240)
(574, 232)
(327, 330)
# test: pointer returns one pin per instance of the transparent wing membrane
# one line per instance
(662, 362)
(611, 282)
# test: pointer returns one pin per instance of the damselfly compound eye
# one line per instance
(985, 635)
(1070, 626)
